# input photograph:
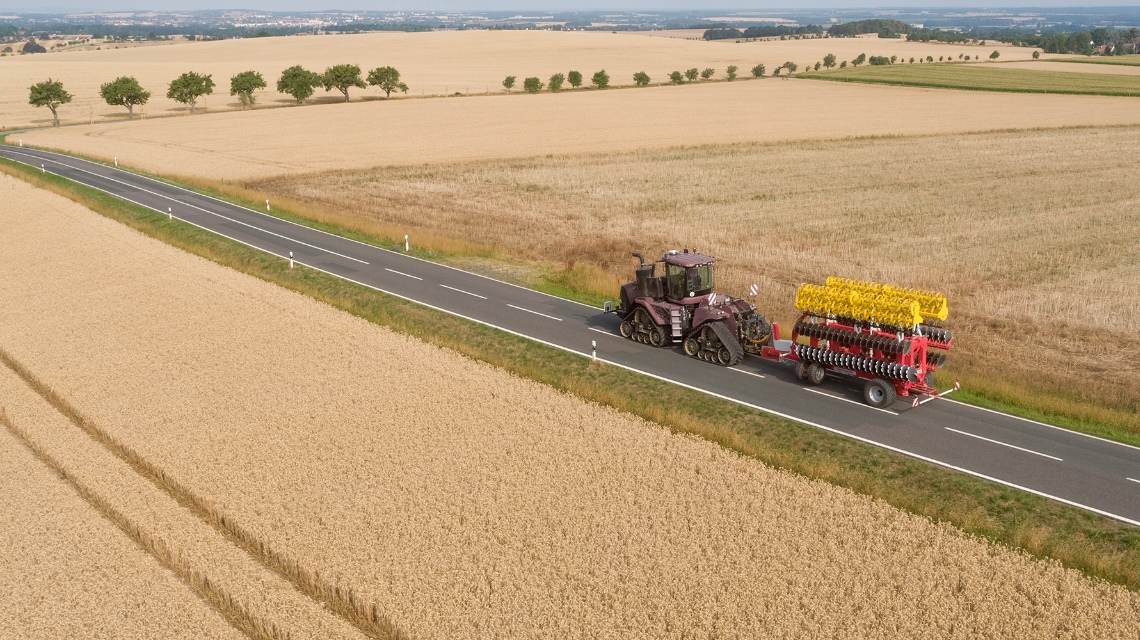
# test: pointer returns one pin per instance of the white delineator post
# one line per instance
(406, 244)
(290, 259)
(267, 204)
(21, 142)
(116, 161)
(43, 169)
(169, 214)
(593, 349)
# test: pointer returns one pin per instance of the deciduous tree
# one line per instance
(342, 77)
(124, 91)
(388, 79)
(555, 82)
(994, 55)
(50, 94)
(190, 86)
(641, 78)
(601, 79)
(509, 83)
(677, 77)
(298, 82)
(691, 74)
(730, 72)
(532, 85)
(244, 84)
(708, 73)
(574, 78)
(829, 60)
(758, 71)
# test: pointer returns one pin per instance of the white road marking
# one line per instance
(462, 291)
(186, 204)
(713, 394)
(1132, 479)
(747, 373)
(534, 312)
(401, 273)
(860, 404)
(605, 332)
(1051, 426)
(1005, 444)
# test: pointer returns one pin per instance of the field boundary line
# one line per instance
(341, 600)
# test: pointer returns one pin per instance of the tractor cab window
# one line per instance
(685, 280)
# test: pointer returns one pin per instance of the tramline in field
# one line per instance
(889, 337)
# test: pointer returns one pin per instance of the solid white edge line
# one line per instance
(747, 373)
(604, 331)
(213, 213)
(406, 275)
(712, 394)
(1004, 444)
(534, 312)
(462, 291)
(1132, 479)
(297, 224)
(861, 404)
(1043, 424)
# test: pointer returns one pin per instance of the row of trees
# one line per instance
(533, 84)
(601, 79)
(298, 82)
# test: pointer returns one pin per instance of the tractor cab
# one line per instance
(687, 275)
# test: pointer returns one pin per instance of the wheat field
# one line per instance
(432, 63)
(1033, 236)
(71, 573)
(261, 144)
(460, 501)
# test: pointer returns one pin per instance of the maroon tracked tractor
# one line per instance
(679, 305)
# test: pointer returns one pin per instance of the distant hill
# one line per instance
(885, 28)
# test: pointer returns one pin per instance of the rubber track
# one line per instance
(728, 340)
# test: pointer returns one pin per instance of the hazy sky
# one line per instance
(503, 5)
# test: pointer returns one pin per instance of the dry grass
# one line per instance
(1032, 235)
(363, 135)
(462, 501)
(435, 63)
(70, 573)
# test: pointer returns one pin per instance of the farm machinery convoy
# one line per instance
(889, 338)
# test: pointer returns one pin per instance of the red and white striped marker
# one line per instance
(754, 289)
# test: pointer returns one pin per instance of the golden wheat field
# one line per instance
(1034, 236)
(276, 142)
(432, 63)
(71, 573)
(454, 500)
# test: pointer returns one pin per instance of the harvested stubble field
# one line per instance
(984, 77)
(1034, 236)
(507, 509)
(262, 144)
(71, 573)
(433, 63)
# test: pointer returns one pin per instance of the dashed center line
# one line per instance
(608, 333)
(462, 291)
(1132, 479)
(747, 373)
(1005, 444)
(859, 404)
(401, 273)
(534, 312)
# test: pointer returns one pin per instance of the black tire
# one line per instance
(625, 328)
(801, 370)
(879, 393)
(815, 373)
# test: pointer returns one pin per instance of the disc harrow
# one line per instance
(881, 368)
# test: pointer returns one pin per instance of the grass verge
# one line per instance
(1098, 546)
(985, 78)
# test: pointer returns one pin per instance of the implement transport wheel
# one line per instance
(801, 370)
(625, 328)
(815, 373)
(692, 347)
(879, 393)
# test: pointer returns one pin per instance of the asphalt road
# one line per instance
(1085, 471)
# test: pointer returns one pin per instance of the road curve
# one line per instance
(1085, 471)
